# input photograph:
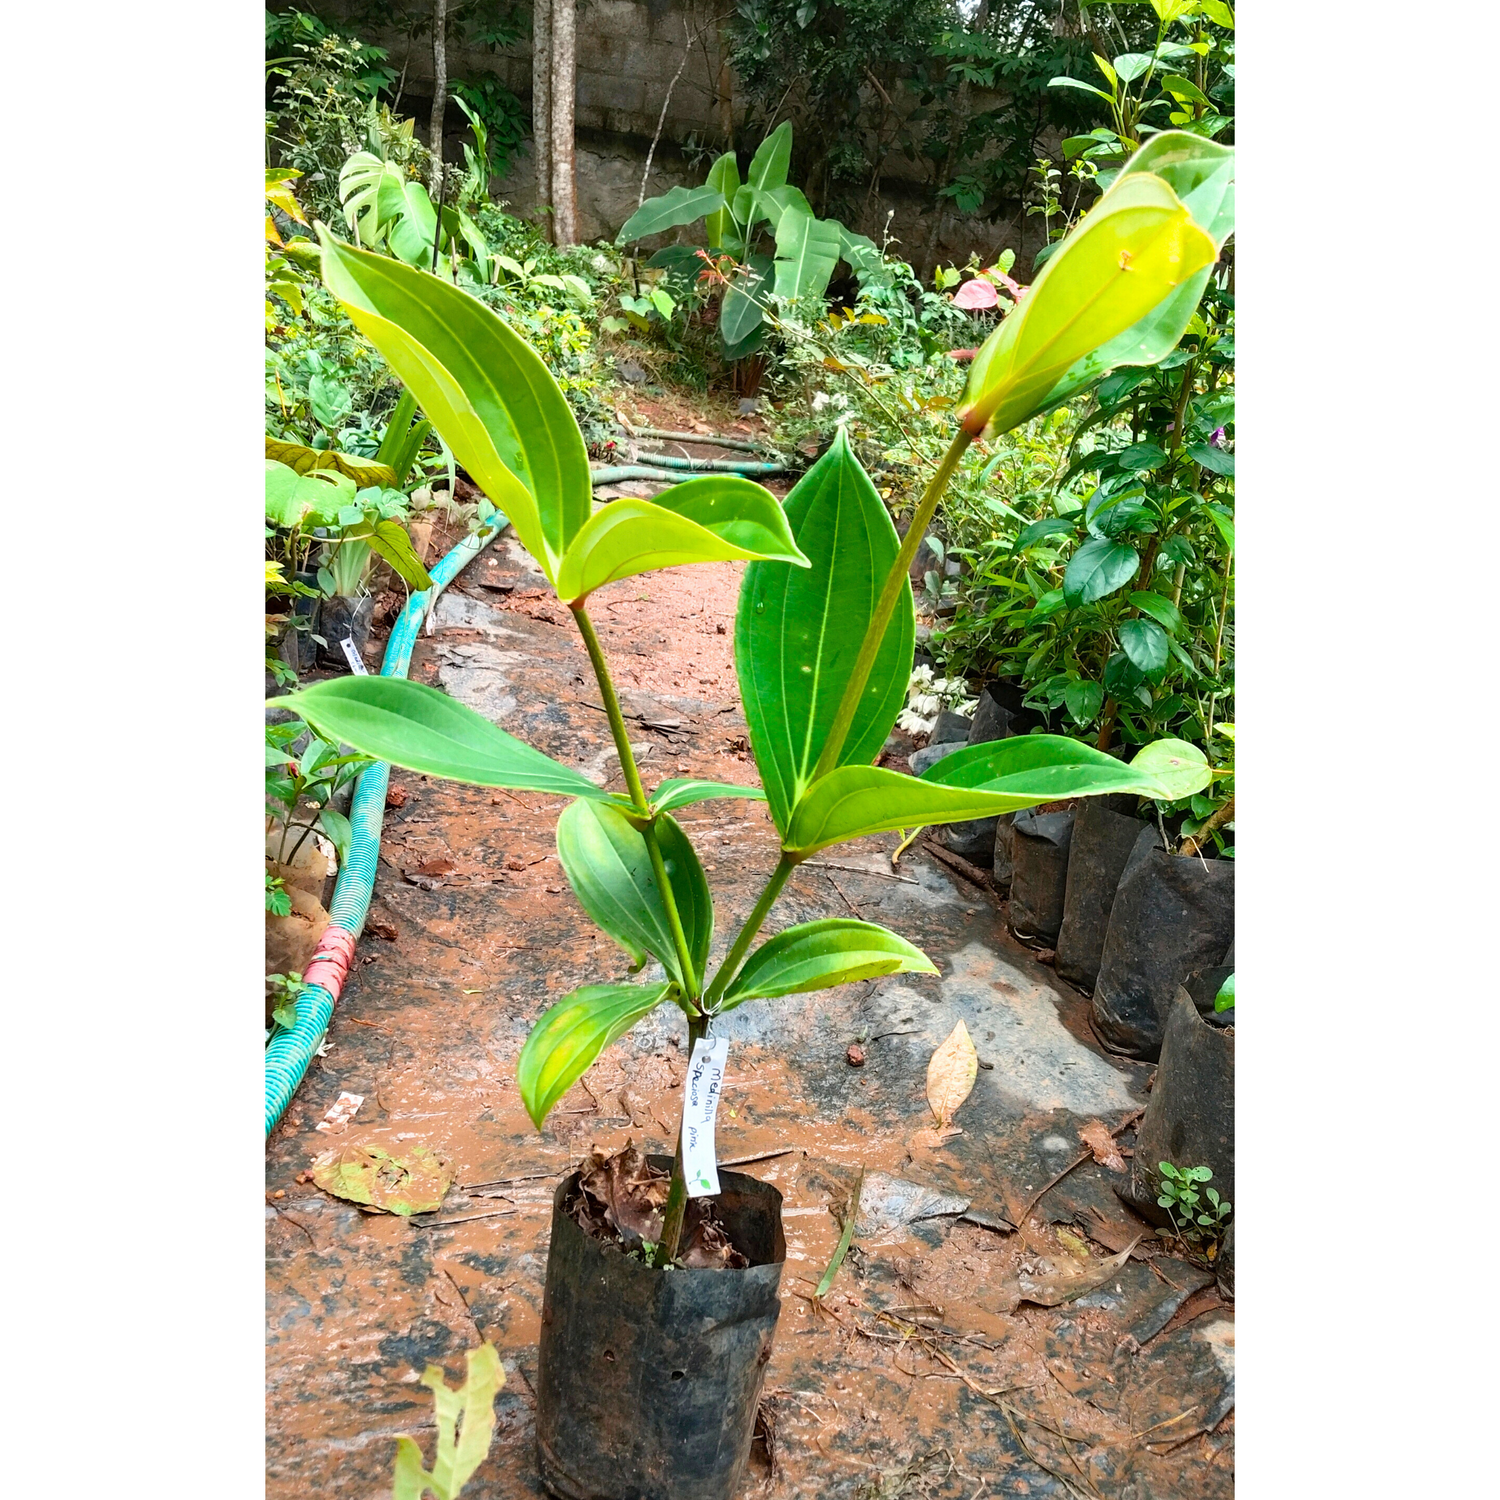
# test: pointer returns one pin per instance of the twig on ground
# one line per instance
(1077, 1161)
(960, 866)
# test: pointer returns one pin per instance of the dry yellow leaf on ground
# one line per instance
(951, 1072)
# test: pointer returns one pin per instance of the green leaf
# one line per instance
(1084, 700)
(1201, 173)
(769, 164)
(684, 791)
(679, 206)
(336, 826)
(412, 725)
(293, 498)
(819, 955)
(716, 518)
(390, 541)
(1130, 65)
(608, 864)
(979, 781)
(1215, 460)
(724, 179)
(741, 314)
(1224, 1000)
(365, 472)
(457, 1458)
(1177, 767)
(807, 250)
(1074, 83)
(484, 388)
(1145, 643)
(567, 1039)
(1135, 247)
(1163, 611)
(1098, 568)
(798, 632)
(1047, 526)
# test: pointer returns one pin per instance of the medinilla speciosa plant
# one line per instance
(823, 633)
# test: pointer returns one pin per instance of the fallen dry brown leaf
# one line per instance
(951, 1072)
(1095, 1135)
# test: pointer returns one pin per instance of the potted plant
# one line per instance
(662, 1277)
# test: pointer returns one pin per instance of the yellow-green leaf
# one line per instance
(365, 472)
(819, 955)
(568, 1038)
(718, 518)
(460, 1451)
(485, 390)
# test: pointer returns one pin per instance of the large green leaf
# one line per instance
(459, 1453)
(573, 1033)
(412, 725)
(1135, 247)
(1201, 173)
(684, 791)
(819, 955)
(1145, 644)
(682, 205)
(292, 498)
(979, 781)
(365, 472)
(1098, 568)
(807, 250)
(1175, 765)
(390, 540)
(484, 388)
(797, 633)
(609, 867)
(717, 518)
(740, 315)
(723, 232)
(769, 164)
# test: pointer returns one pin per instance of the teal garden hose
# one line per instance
(290, 1050)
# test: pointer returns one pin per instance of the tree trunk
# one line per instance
(564, 91)
(726, 92)
(541, 107)
(439, 95)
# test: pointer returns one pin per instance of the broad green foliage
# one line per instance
(302, 460)
(716, 518)
(491, 399)
(797, 633)
(565, 1042)
(816, 955)
(608, 864)
(735, 215)
(413, 725)
(460, 1450)
(1135, 248)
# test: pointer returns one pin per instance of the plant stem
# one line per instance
(691, 978)
(886, 606)
(672, 1216)
(730, 967)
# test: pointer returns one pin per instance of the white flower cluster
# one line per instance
(838, 400)
(928, 696)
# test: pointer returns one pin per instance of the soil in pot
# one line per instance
(1172, 916)
(1102, 841)
(1190, 1119)
(1040, 842)
(342, 619)
(649, 1380)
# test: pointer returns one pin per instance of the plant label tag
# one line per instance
(705, 1082)
(352, 656)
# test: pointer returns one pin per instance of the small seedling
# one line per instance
(283, 990)
(1198, 1220)
(278, 903)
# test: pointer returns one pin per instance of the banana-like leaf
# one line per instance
(608, 865)
(573, 1033)
(1201, 173)
(365, 472)
(807, 250)
(741, 313)
(858, 250)
(682, 205)
(714, 519)
(684, 791)
(410, 724)
(389, 540)
(979, 782)
(484, 388)
(775, 203)
(724, 179)
(772, 158)
(797, 633)
(819, 955)
(1134, 249)
(459, 1453)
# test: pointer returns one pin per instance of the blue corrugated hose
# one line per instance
(290, 1050)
